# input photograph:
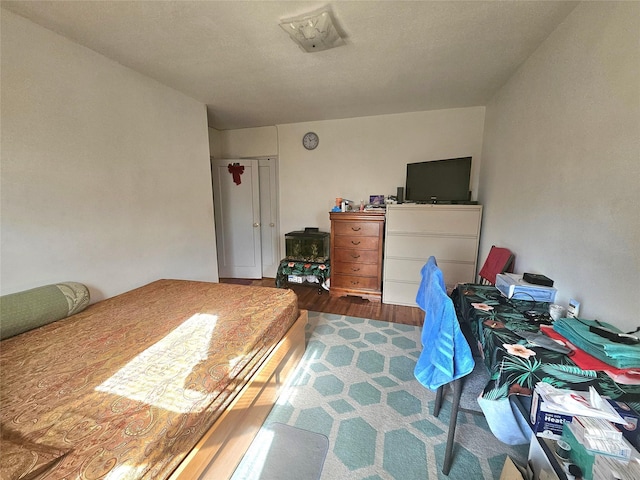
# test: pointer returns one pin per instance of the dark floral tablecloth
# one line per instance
(309, 272)
(515, 364)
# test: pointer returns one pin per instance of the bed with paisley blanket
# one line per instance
(171, 380)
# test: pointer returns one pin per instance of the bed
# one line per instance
(168, 381)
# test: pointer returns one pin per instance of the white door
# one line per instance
(237, 213)
(269, 216)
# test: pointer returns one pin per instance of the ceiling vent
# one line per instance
(313, 32)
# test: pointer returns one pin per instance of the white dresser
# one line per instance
(415, 232)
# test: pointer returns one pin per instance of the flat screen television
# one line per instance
(439, 181)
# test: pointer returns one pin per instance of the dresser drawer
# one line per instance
(437, 219)
(422, 247)
(359, 269)
(409, 270)
(354, 255)
(400, 293)
(370, 229)
(361, 243)
(354, 282)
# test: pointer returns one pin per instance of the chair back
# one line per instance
(499, 260)
(445, 354)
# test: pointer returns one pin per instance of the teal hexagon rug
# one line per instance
(355, 385)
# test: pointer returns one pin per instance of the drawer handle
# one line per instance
(354, 283)
(355, 243)
(353, 269)
(355, 256)
(356, 229)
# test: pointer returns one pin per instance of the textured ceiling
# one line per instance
(400, 56)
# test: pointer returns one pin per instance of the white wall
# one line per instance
(105, 173)
(215, 143)
(356, 157)
(249, 142)
(560, 177)
(364, 156)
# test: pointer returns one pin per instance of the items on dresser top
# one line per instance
(356, 254)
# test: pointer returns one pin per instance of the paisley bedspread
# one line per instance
(124, 389)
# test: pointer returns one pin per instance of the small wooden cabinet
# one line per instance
(356, 254)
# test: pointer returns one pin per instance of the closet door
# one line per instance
(236, 200)
(269, 229)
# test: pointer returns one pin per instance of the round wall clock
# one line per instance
(310, 140)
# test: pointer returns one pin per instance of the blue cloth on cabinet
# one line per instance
(445, 355)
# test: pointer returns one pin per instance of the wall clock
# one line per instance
(310, 140)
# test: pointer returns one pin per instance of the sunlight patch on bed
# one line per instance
(158, 375)
(125, 471)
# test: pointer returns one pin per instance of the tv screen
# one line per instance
(439, 181)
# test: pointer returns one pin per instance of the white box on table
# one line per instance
(511, 285)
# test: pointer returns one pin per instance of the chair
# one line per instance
(446, 357)
(499, 260)
(465, 393)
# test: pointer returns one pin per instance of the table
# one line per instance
(489, 320)
(310, 273)
(518, 372)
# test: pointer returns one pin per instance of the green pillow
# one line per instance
(23, 311)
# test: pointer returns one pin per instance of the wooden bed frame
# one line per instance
(221, 448)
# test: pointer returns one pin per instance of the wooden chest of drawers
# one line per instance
(356, 254)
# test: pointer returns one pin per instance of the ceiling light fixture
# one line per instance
(313, 32)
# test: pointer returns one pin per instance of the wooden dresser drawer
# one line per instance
(359, 269)
(354, 282)
(354, 255)
(361, 243)
(352, 229)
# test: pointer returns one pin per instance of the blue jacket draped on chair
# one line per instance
(446, 355)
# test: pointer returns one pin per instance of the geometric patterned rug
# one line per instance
(355, 385)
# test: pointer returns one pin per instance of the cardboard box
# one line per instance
(510, 471)
(629, 430)
(544, 423)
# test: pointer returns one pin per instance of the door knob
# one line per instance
(256, 224)
(272, 224)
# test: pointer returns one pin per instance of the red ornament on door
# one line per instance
(236, 170)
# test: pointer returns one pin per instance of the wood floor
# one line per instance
(309, 299)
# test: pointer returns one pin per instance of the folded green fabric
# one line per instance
(619, 355)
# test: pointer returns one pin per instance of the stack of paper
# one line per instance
(569, 402)
(600, 437)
